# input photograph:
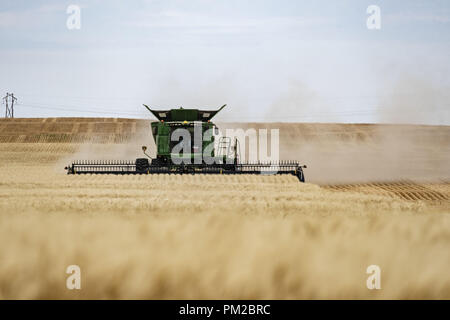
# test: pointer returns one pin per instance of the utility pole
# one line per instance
(9, 112)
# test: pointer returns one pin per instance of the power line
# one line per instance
(103, 111)
(327, 98)
(333, 113)
(68, 108)
(80, 97)
(299, 114)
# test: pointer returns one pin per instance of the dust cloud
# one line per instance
(398, 147)
(129, 150)
(356, 153)
(413, 100)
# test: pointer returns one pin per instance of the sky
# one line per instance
(280, 61)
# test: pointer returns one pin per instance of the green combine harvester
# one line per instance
(187, 151)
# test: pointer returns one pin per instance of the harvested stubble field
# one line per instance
(376, 195)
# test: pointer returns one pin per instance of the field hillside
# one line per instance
(375, 194)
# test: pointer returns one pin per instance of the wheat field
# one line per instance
(232, 237)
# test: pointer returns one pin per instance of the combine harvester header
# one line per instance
(180, 152)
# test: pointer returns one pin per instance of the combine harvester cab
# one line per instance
(187, 151)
